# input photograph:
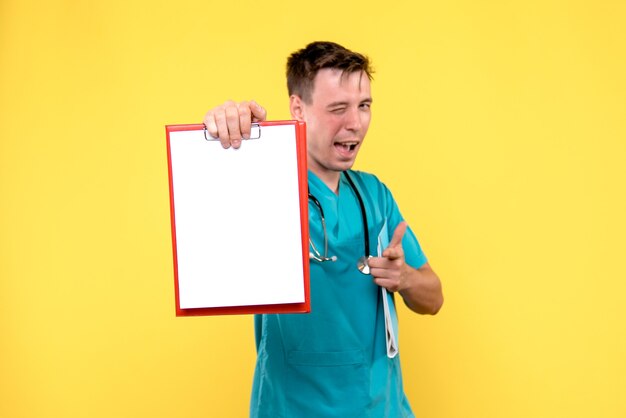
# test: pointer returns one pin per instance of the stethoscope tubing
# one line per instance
(363, 218)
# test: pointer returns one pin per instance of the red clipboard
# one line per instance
(204, 182)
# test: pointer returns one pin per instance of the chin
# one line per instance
(345, 166)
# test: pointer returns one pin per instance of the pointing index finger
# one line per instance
(398, 234)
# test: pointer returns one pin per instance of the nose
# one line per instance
(353, 119)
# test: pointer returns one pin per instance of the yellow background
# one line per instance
(499, 126)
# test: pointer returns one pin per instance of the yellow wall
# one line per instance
(499, 125)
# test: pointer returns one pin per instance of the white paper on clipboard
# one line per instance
(237, 220)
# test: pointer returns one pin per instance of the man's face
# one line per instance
(337, 119)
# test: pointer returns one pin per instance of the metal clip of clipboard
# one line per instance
(254, 127)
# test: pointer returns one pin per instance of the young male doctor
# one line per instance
(334, 361)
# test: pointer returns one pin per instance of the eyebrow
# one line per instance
(340, 103)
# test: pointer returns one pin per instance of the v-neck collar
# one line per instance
(318, 187)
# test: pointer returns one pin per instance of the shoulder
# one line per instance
(367, 179)
(377, 194)
(370, 182)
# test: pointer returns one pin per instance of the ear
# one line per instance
(296, 107)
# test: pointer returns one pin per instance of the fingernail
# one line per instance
(236, 143)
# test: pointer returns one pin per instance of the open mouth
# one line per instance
(346, 146)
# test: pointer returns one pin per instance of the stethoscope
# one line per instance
(362, 264)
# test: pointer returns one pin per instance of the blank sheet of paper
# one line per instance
(237, 219)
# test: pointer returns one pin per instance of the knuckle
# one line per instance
(231, 113)
(219, 117)
(245, 109)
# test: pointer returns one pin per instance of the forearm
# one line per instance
(422, 292)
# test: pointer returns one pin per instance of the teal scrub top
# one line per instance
(332, 362)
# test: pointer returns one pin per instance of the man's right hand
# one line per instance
(231, 122)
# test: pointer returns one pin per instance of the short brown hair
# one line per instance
(303, 65)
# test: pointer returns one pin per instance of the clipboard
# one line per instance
(239, 220)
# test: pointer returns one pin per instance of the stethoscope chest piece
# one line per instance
(363, 264)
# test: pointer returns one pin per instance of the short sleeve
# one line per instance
(413, 253)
